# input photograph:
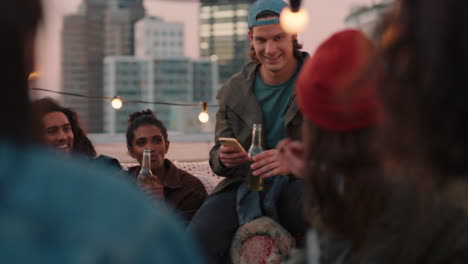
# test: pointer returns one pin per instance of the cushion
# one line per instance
(261, 241)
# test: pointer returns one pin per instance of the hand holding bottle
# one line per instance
(153, 189)
(147, 181)
(267, 164)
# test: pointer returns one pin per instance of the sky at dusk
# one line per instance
(326, 16)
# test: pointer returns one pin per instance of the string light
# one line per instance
(294, 19)
(203, 116)
(117, 103)
(204, 45)
(33, 75)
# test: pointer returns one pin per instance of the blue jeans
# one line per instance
(216, 222)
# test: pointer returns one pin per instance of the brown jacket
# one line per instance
(238, 111)
(182, 190)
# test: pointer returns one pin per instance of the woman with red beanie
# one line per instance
(336, 92)
(417, 213)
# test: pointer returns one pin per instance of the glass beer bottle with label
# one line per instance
(255, 182)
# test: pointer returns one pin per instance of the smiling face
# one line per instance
(273, 48)
(58, 131)
(149, 137)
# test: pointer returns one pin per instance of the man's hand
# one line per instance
(291, 155)
(267, 164)
(232, 158)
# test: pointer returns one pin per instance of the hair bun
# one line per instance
(142, 113)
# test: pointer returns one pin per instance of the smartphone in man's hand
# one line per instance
(231, 142)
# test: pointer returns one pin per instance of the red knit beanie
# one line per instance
(336, 88)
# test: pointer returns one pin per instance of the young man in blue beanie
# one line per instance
(261, 93)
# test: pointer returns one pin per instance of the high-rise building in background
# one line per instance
(119, 30)
(224, 34)
(100, 28)
(367, 17)
(157, 38)
(205, 80)
(159, 73)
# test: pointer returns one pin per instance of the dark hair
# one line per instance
(81, 143)
(345, 192)
(141, 118)
(296, 45)
(18, 25)
(424, 88)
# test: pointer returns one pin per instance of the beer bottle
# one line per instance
(255, 182)
(145, 176)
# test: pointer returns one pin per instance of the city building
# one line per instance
(366, 17)
(224, 34)
(158, 80)
(99, 28)
(205, 80)
(159, 72)
(119, 30)
(157, 38)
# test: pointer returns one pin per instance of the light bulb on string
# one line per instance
(204, 45)
(116, 103)
(33, 76)
(203, 116)
(294, 22)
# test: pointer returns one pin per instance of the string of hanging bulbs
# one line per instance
(117, 102)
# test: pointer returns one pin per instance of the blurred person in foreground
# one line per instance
(182, 190)
(424, 134)
(61, 130)
(344, 191)
(368, 205)
(54, 210)
(261, 93)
